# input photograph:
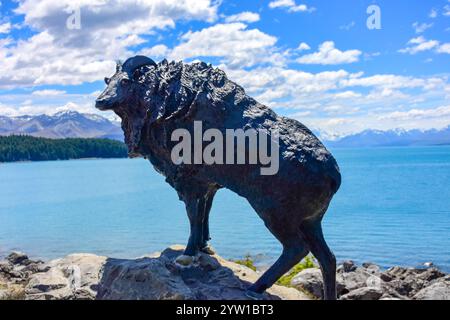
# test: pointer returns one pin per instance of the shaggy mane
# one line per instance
(176, 86)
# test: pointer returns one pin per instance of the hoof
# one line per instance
(253, 295)
(208, 250)
(184, 260)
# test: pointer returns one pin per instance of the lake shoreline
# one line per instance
(331, 148)
(64, 160)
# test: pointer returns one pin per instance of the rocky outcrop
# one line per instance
(159, 276)
(369, 282)
(156, 277)
(439, 290)
(15, 272)
(74, 277)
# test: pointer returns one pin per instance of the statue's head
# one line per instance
(122, 86)
(125, 95)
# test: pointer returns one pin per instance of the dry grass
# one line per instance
(13, 291)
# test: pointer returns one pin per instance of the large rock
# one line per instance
(84, 276)
(368, 282)
(73, 277)
(4, 294)
(5, 267)
(348, 278)
(17, 257)
(365, 293)
(348, 266)
(409, 281)
(355, 279)
(310, 281)
(439, 290)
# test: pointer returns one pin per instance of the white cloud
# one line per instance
(421, 27)
(438, 112)
(246, 16)
(433, 13)
(290, 5)
(347, 27)
(5, 28)
(447, 11)
(7, 111)
(329, 55)
(383, 94)
(330, 128)
(390, 81)
(234, 43)
(314, 97)
(71, 106)
(444, 48)
(338, 109)
(371, 55)
(48, 92)
(347, 95)
(158, 51)
(303, 46)
(419, 44)
(293, 81)
(279, 87)
(301, 114)
(58, 55)
(47, 101)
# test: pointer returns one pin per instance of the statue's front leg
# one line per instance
(195, 207)
(195, 211)
(204, 247)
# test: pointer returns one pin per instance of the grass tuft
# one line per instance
(247, 261)
(306, 263)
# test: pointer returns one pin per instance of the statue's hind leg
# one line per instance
(319, 248)
(289, 258)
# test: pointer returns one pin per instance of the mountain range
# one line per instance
(391, 138)
(65, 124)
(72, 124)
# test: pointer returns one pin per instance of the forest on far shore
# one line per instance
(26, 148)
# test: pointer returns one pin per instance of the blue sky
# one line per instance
(316, 61)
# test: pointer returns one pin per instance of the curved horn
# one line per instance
(136, 62)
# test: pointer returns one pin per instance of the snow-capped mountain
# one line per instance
(71, 124)
(398, 137)
(65, 124)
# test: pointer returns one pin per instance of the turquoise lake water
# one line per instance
(393, 209)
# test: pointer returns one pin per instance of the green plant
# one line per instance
(247, 261)
(306, 263)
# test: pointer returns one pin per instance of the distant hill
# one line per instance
(71, 124)
(66, 124)
(27, 148)
(377, 138)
